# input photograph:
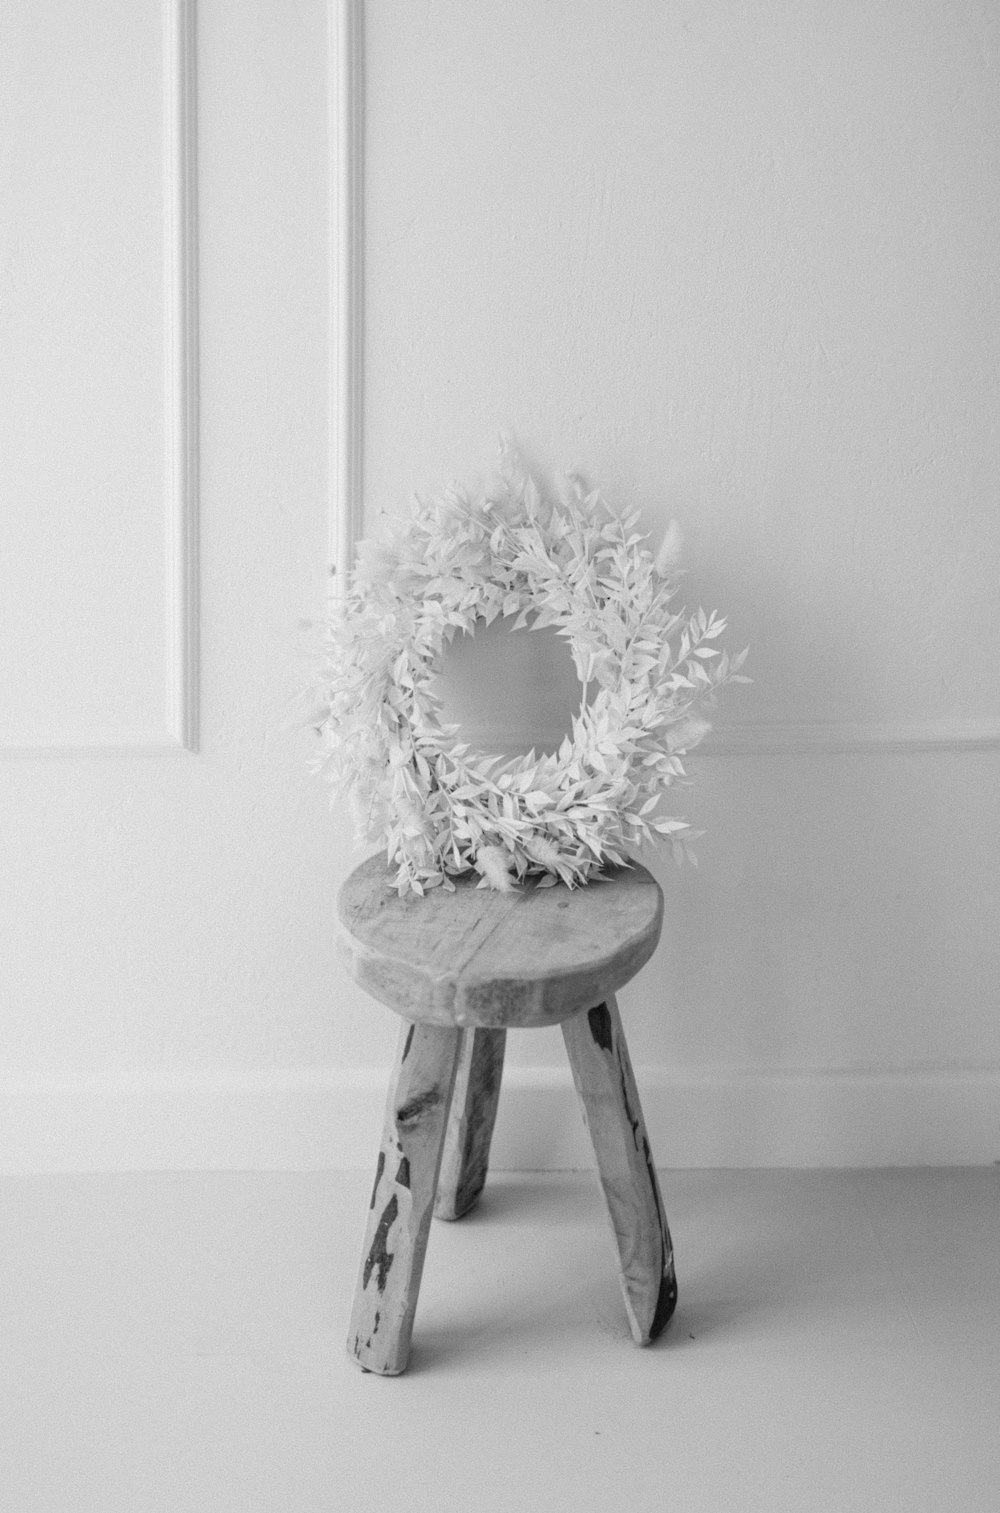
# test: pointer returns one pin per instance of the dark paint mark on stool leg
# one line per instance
(409, 1042)
(600, 1027)
(665, 1305)
(380, 1168)
(422, 1103)
(403, 1174)
(379, 1255)
(634, 1119)
(666, 1300)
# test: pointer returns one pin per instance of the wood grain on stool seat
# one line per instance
(476, 957)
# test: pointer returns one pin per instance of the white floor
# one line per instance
(175, 1342)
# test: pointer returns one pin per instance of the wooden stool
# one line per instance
(462, 968)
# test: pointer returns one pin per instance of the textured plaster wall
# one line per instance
(738, 264)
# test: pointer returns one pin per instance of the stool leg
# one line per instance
(399, 1214)
(470, 1123)
(603, 1075)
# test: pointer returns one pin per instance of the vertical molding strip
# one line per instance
(346, 93)
(181, 368)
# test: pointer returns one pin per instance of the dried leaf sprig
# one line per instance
(647, 671)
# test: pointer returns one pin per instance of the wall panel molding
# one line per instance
(179, 732)
(346, 127)
(181, 368)
(817, 738)
(823, 737)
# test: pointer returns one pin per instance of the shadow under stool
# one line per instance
(462, 968)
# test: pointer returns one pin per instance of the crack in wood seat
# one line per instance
(461, 969)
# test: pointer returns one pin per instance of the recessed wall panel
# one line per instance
(89, 571)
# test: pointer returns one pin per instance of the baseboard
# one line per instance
(309, 1120)
(750, 1118)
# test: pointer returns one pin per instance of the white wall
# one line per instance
(738, 264)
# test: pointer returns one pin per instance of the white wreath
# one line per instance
(647, 672)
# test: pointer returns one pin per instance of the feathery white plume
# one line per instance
(493, 862)
(543, 852)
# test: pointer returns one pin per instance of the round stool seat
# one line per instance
(479, 958)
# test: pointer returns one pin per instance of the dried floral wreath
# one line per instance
(647, 673)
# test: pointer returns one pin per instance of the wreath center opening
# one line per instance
(509, 690)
